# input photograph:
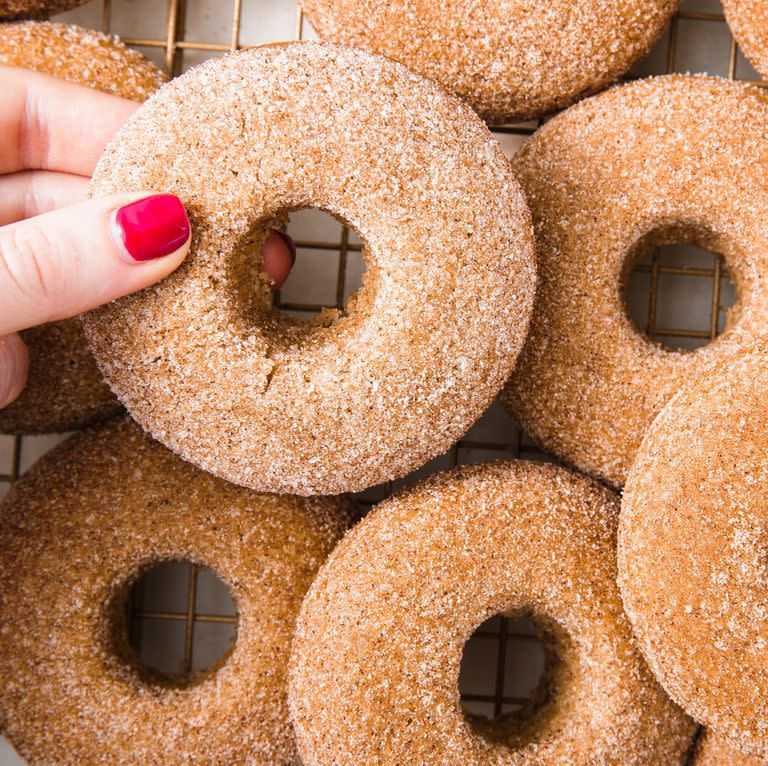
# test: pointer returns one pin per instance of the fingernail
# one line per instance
(151, 228)
(288, 239)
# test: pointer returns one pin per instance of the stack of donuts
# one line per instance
(215, 429)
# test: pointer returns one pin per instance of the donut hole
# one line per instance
(173, 622)
(677, 288)
(506, 675)
(326, 284)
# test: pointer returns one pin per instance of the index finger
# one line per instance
(49, 124)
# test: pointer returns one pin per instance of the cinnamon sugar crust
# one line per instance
(205, 362)
(675, 159)
(712, 750)
(83, 525)
(692, 559)
(515, 60)
(34, 9)
(375, 660)
(748, 20)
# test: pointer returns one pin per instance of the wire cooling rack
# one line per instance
(677, 295)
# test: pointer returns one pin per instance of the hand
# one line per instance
(59, 255)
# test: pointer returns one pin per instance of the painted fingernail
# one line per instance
(151, 228)
(288, 239)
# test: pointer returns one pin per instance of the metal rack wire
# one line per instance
(502, 637)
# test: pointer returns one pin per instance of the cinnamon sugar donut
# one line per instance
(32, 9)
(353, 398)
(375, 660)
(75, 532)
(693, 569)
(65, 389)
(665, 160)
(515, 60)
(748, 20)
(714, 751)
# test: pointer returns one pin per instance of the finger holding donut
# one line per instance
(58, 254)
(14, 367)
(51, 381)
(356, 396)
(56, 263)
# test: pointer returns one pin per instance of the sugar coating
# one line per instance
(712, 750)
(80, 56)
(514, 60)
(353, 398)
(748, 20)
(692, 558)
(375, 660)
(659, 161)
(75, 531)
(65, 389)
(32, 9)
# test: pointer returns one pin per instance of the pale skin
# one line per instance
(58, 254)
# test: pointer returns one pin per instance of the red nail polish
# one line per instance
(152, 227)
(288, 239)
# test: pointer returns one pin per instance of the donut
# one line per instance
(748, 20)
(75, 533)
(373, 675)
(713, 751)
(692, 561)
(515, 60)
(80, 56)
(674, 159)
(353, 398)
(65, 389)
(30, 9)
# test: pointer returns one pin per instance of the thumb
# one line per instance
(14, 363)
(62, 263)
